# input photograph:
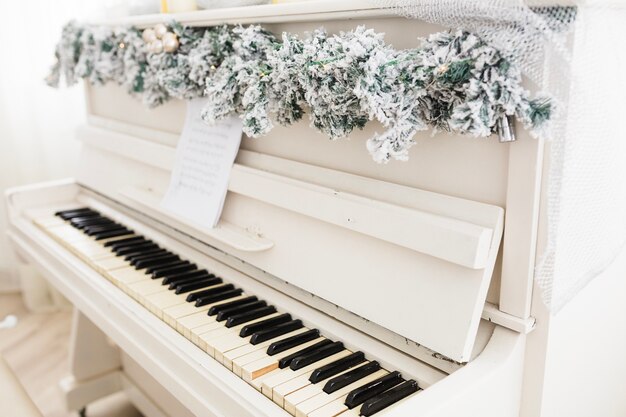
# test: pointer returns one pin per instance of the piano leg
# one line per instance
(95, 365)
(37, 294)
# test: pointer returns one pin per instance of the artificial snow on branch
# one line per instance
(453, 81)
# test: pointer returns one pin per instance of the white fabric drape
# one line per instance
(36, 122)
(587, 180)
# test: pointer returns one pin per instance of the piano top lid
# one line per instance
(291, 11)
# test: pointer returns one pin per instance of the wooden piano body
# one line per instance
(405, 261)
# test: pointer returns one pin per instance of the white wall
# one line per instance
(36, 122)
(575, 359)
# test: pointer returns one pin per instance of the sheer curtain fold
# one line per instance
(36, 122)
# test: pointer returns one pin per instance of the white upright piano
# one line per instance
(332, 285)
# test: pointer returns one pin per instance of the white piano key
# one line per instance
(208, 325)
(109, 264)
(250, 369)
(200, 321)
(92, 251)
(332, 409)
(142, 289)
(163, 300)
(300, 384)
(296, 397)
(257, 382)
(157, 302)
(68, 234)
(232, 342)
(47, 222)
(127, 276)
(261, 347)
(287, 388)
(172, 315)
(207, 339)
(288, 374)
(226, 343)
(196, 332)
(186, 324)
(306, 407)
(195, 320)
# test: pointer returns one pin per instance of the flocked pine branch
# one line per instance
(240, 83)
(454, 81)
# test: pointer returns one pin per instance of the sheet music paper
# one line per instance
(204, 158)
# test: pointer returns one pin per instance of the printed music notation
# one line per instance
(204, 158)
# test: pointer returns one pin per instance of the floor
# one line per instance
(45, 336)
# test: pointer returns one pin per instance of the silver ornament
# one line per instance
(506, 129)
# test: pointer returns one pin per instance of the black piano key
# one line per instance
(97, 233)
(153, 255)
(286, 361)
(93, 230)
(203, 275)
(121, 242)
(292, 341)
(124, 244)
(70, 214)
(312, 357)
(272, 332)
(336, 367)
(149, 254)
(142, 254)
(369, 390)
(88, 218)
(82, 222)
(349, 377)
(156, 260)
(264, 324)
(194, 278)
(200, 278)
(115, 233)
(163, 272)
(134, 250)
(249, 316)
(72, 211)
(384, 400)
(200, 296)
(243, 308)
(136, 254)
(226, 296)
(192, 286)
(170, 264)
(186, 275)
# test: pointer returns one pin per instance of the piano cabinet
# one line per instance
(460, 314)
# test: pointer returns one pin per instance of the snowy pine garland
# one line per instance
(453, 82)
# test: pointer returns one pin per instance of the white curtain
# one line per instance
(36, 122)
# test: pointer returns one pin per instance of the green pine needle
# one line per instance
(540, 111)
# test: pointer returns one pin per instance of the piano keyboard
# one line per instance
(298, 368)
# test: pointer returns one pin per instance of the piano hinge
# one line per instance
(492, 313)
